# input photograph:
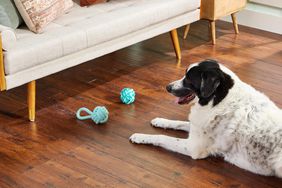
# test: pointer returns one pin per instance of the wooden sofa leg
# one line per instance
(186, 31)
(235, 25)
(31, 97)
(213, 32)
(174, 37)
(2, 71)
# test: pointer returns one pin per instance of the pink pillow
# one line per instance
(37, 14)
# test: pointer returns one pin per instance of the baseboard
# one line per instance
(260, 17)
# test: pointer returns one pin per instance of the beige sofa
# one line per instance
(86, 33)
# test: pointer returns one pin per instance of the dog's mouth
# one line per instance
(186, 99)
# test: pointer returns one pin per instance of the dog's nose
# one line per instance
(169, 88)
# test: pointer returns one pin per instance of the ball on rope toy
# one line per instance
(99, 115)
(127, 95)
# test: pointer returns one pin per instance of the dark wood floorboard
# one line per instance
(60, 151)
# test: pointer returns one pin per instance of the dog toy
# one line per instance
(99, 115)
(127, 95)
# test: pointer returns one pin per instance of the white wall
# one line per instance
(262, 14)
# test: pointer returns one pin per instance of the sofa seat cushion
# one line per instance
(85, 27)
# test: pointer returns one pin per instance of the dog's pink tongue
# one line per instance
(179, 100)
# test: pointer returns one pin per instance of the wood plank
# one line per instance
(60, 151)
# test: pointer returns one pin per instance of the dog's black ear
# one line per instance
(210, 82)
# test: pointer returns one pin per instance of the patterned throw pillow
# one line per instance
(91, 2)
(37, 14)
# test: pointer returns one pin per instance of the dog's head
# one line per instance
(204, 80)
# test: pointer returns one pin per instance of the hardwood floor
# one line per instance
(59, 151)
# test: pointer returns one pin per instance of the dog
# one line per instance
(229, 118)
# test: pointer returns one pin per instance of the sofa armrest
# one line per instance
(8, 36)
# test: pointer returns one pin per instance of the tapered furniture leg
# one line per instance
(186, 31)
(213, 31)
(235, 25)
(2, 72)
(31, 96)
(174, 37)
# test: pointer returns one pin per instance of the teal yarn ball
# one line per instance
(99, 115)
(127, 96)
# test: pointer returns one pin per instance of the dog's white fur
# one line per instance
(245, 128)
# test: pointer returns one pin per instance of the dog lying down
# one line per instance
(229, 118)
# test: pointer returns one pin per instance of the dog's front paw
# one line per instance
(138, 138)
(158, 122)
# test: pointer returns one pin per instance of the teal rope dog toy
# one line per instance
(127, 95)
(99, 115)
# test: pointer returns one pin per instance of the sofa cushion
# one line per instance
(85, 27)
(9, 16)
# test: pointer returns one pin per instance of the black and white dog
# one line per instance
(229, 118)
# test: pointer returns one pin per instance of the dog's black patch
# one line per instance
(208, 82)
